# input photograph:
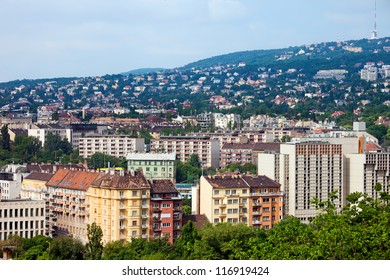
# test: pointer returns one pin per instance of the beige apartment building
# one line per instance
(67, 195)
(237, 198)
(113, 145)
(184, 146)
(120, 205)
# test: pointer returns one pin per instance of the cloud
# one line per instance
(225, 10)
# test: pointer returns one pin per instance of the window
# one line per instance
(233, 192)
(166, 224)
(135, 193)
(216, 221)
(216, 211)
(134, 223)
(216, 192)
(166, 205)
(227, 192)
(244, 191)
(216, 201)
(134, 213)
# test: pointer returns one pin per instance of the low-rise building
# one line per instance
(154, 165)
(24, 217)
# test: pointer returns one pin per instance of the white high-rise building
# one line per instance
(306, 170)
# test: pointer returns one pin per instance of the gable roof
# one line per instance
(229, 180)
(73, 179)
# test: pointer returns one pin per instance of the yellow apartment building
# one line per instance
(120, 205)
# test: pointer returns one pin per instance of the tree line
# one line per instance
(361, 231)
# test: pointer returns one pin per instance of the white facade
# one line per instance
(365, 170)
(23, 217)
(306, 170)
(113, 145)
(42, 130)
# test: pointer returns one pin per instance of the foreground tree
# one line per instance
(94, 246)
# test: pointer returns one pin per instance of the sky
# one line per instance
(82, 38)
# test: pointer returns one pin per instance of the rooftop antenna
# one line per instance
(374, 33)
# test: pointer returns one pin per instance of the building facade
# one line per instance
(166, 209)
(184, 146)
(365, 170)
(306, 170)
(154, 166)
(256, 201)
(120, 205)
(23, 217)
(113, 145)
(67, 195)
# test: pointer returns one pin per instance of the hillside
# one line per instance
(312, 57)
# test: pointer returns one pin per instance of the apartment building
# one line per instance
(244, 153)
(365, 170)
(113, 145)
(120, 205)
(166, 209)
(67, 195)
(184, 146)
(41, 131)
(306, 170)
(154, 165)
(23, 217)
(238, 198)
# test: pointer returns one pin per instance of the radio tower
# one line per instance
(374, 34)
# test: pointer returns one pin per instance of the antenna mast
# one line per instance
(374, 33)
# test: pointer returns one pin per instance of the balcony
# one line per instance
(144, 206)
(145, 226)
(256, 213)
(145, 236)
(122, 217)
(177, 208)
(122, 227)
(256, 222)
(145, 216)
(156, 229)
(155, 209)
(122, 206)
(122, 197)
(256, 203)
(145, 196)
(222, 206)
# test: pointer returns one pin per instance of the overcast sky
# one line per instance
(79, 38)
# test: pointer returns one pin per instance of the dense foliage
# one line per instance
(360, 232)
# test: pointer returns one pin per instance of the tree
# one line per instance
(66, 248)
(94, 246)
(5, 138)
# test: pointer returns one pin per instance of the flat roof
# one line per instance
(151, 156)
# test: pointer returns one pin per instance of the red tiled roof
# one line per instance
(73, 179)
